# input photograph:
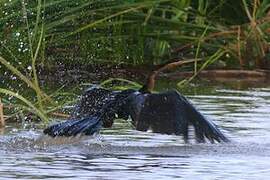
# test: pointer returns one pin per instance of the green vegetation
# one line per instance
(46, 33)
(133, 31)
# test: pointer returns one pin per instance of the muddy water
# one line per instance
(123, 153)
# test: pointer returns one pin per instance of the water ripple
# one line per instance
(123, 153)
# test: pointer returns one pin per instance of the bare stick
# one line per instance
(150, 84)
(2, 120)
(62, 115)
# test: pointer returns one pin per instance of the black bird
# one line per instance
(167, 113)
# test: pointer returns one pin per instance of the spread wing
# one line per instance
(97, 108)
(204, 128)
(91, 101)
(73, 127)
(172, 113)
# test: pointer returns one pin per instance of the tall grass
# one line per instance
(45, 33)
(38, 103)
(134, 32)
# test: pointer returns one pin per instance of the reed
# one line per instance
(99, 32)
(132, 32)
(32, 108)
(2, 120)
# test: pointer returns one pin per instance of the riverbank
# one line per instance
(98, 73)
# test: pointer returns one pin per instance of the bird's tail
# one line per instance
(203, 126)
(73, 127)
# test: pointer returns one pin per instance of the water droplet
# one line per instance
(13, 77)
(29, 68)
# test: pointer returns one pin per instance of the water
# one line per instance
(123, 153)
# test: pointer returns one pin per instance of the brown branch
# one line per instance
(223, 33)
(62, 115)
(150, 83)
(178, 49)
(2, 120)
(241, 60)
(210, 36)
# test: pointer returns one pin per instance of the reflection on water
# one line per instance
(123, 153)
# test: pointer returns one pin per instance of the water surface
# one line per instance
(123, 153)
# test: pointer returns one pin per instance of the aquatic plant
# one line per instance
(97, 32)
(41, 105)
(35, 34)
